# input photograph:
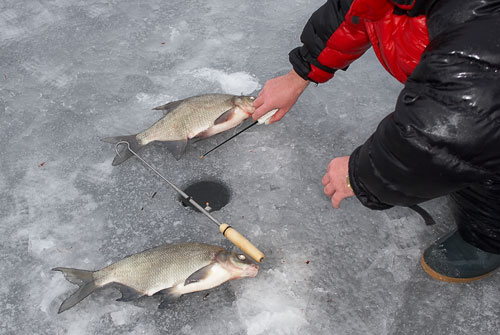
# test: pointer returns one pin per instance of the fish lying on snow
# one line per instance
(171, 269)
(195, 117)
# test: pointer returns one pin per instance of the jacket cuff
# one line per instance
(299, 59)
(364, 196)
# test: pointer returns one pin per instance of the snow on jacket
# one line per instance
(444, 134)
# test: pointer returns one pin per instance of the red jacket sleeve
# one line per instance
(332, 39)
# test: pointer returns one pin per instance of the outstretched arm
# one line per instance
(331, 40)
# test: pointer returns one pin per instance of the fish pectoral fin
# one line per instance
(199, 275)
(204, 134)
(226, 116)
(242, 125)
(177, 148)
(169, 296)
(167, 108)
(198, 137)
(128, 293)
(238, 127)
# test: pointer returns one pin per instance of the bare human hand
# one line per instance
(281, 93)
(335, 180)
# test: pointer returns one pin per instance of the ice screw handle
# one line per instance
(266, 118)
(241, 242)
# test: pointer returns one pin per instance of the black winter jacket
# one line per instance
(444, 134)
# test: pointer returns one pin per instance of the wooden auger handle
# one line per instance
(241, 242)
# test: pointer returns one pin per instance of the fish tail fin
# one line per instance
(83, 278)
(123, 152)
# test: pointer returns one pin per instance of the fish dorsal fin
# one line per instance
(128, 293)
(167, 108)
(226, 116)
(199, 275)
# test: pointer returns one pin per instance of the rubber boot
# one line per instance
(451, 259)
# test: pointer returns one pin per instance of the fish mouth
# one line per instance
(253, 270)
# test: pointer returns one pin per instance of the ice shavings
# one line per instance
(269, 304)
(119, 314)
(51, 190)
(186, 329)
(54, 287)
(120, 317)
(174, 34)
(37, 245)
(153, 100)
(231, 83)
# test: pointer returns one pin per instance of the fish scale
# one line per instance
(174, 270)
(158, 267)
(192, 116)
(200, 116)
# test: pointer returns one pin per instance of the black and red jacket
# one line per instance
(341, 31)
(444, 133)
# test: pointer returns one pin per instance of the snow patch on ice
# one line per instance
(105, 168)
(287, 321)
(37, 245)
(399, 263)
(231, 83)
(120, 317)
(153, 100)
(119, 314)
(235, 36)
(186, 329)
(267, 307)
(53, 289)
(49, 190)
(273, 159)
(174, 34)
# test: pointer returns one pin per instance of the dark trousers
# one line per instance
(477, 214)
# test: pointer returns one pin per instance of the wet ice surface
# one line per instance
(71, 74)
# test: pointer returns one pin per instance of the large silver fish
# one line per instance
(172, 270)
(195, 117)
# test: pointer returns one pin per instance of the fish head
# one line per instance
(245, 103)
(238, 265)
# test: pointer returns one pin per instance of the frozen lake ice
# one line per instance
(73, 72)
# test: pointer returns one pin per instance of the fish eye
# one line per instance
(241, 257)
(252, 98)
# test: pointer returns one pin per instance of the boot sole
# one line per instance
(447, 279)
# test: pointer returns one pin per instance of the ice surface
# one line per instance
(72, 73)
(232, 83)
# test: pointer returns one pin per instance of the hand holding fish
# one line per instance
(281, 93)
(334, 180)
